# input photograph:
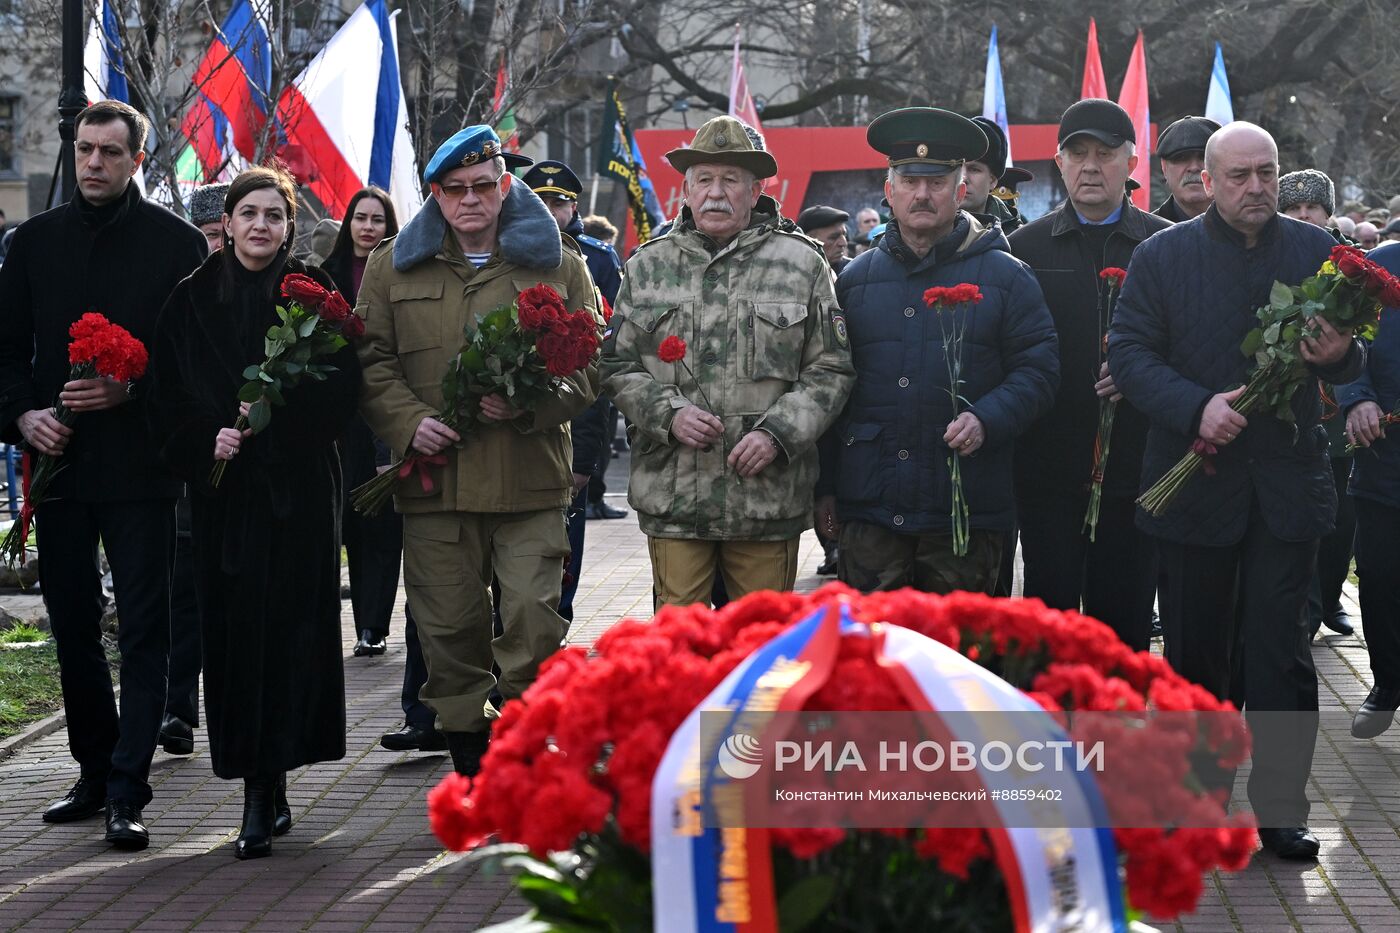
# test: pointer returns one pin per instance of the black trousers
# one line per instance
(1233, 620)
(182, 698)
(1333, 553)
(374, 553)
(415, 675)
(1378, 569)
(112, 747)
(578, 514)
(1112, 578)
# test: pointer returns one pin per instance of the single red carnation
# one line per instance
(607, 309)
(1114, 274)
(672, 350)
(304, 290)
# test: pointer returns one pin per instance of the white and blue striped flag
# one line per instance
(994, 93)
(1218, 105)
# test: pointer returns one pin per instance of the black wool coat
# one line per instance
(1055, 456)
(267, 540)
(1188, 303)
(121, 260)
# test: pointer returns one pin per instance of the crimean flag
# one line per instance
(1133, 98)
(1094, 84)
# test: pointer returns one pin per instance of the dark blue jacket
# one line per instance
(1375, 472)
(1189, 300)
(885, 459)
(603, 263)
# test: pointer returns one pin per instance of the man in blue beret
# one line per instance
(496, 503)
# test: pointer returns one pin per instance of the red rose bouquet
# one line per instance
(566, 786)
(98, 348)
(315, 323)
(953, 327)
(524, 351)
(1112, 278)
(1347, 292)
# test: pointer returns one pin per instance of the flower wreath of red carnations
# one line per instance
(571, 764)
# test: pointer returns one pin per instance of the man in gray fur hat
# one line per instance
(1307, 195)
(207, 213)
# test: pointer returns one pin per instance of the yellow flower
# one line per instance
(1328, 268)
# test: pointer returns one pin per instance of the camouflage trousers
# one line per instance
(873, 557)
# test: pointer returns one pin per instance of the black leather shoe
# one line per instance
(124, 828)
(467, 749)
(259, 806)
(282, 819)
(369, 645)
(1339, 622)
(1376, 712)
(601, 510)
(828, 566)
(1291, 842)
(1156, 631)
(176, 735)
(413, 738)
(84, 800)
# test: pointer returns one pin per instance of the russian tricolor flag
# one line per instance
(325, 115)
(234, 82)
(104, 71)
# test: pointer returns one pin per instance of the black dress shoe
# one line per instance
(1339, 622)
(259, 814)
(369, 644)
(467, 749)
(413, 738)
(176, 735)
(84, 800)
(282, 819)
(828, 566)
(601, 510)
(124, 828)
(1376, 712)
(1291, 842)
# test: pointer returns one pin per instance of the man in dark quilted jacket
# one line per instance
(1237, 545)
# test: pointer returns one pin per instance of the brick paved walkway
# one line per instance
(361, 856)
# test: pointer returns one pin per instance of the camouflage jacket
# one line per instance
(766, 349)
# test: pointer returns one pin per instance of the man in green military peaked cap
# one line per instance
(926, 140)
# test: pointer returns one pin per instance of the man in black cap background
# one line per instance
(1182, 149)
(827, 225)
(559, 187)
(885, 483)
(984, 174)
(1112, 577)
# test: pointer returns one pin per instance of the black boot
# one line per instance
(255, 838)
(466, 749)
(282, 822)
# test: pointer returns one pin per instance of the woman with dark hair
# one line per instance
(266, 539)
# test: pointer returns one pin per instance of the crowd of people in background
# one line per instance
(814, 387)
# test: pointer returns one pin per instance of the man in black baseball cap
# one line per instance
(827, 225)
(1182, 149)
(1108, 572)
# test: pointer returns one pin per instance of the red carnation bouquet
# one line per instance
(1112, 278)
(98, 348)
(953, 327)
(523, 351)
(566, 786)
(1347, 292)
(315, 323)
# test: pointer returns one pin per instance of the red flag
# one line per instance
(1094, 84)
(740, 102)
(1133, 98)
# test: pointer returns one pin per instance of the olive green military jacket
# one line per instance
(766, 349)
(419, 298)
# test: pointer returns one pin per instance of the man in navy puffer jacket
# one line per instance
(885, 466)
(1237, 545)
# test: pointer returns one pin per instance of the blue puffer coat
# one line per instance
(885, 459)
(1186, 306)
(1375, 472)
